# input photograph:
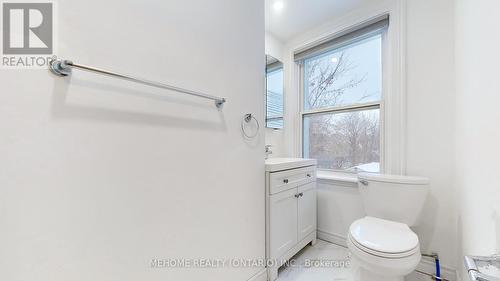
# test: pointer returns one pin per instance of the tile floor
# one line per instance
(324, 262)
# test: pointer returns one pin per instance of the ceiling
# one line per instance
(297, 16)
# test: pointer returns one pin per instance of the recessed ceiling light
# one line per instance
(335, 60)
(278, 5)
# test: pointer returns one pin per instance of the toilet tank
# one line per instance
(391, 197)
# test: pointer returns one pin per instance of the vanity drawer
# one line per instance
(284, 180)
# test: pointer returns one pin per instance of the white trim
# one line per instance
(343, 108)
(300, 83)
(395, 99)
(259, 276)
(336, 178)
(336, 239)
(336, 182)
(426, 265)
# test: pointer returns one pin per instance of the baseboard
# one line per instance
(259, 276)
(332, 238)
(426, 265)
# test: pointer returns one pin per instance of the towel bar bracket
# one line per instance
(60, 67)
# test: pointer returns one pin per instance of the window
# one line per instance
(274, 94)
(341, 100)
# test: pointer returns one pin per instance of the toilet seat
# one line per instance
(383, 238)
(383, 254)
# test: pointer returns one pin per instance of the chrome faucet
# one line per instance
(268, 150)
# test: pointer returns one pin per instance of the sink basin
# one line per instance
(279, 164)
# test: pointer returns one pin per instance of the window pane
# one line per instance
(344, 141)
(274, 99)
(344, 76)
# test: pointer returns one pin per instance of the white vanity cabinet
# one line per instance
(306, 213)
(282, 221)
(290, 211)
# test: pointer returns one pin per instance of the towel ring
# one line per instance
(247, 119)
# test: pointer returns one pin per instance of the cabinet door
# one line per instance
(306, 210)
(283, 222)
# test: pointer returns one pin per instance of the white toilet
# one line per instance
(382, 244)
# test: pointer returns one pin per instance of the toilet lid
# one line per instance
(383, 236)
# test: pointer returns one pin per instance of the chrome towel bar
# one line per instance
(64, 68)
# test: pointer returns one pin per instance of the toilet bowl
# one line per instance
(382, 250)
(382, 245)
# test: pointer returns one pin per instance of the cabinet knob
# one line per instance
(301, 194)
(285, 180)
(308, 175)
(297, 195)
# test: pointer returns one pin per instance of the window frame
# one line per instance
(347, 108)
(282, 117)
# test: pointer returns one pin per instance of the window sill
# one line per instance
(337, 178)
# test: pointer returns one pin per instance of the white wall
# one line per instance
(429, 128)
(99, 176)
(478, 178)
(339, 204)
(430, 120)
(274, 48)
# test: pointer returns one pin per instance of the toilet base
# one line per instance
(361, 274)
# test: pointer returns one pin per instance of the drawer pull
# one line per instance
(364, 182)
(285, 180)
